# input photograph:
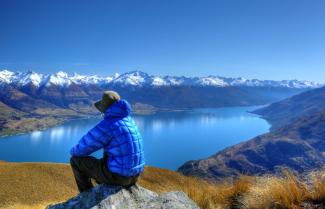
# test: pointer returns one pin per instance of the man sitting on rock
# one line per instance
(118, 135)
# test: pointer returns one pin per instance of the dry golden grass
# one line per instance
(284, 192)
(35, 185)
(274, 191)
(317, 192)
(162, 180)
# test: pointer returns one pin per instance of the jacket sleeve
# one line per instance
(97, 138)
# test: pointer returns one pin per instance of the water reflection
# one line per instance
(56, 134)
(170, 138)
(157, 125)
(35, 136)
(208, 120)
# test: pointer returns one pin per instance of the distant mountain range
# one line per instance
(30, 96)
(141, 79)
(79, 91)
(298, 142)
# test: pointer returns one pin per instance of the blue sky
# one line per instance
(267, 39)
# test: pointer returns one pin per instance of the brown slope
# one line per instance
(17, 99)
(299, 146)
(292, 108)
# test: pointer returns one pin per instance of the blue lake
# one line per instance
(170, 138)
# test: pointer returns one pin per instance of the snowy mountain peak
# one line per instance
(6, 72)
(141, 79)
(61, 74)
(30, 77)
(212, 81)
(6, 76)
(158, 81)
(133, 78)
(58, 79)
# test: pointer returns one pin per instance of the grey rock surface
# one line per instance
(136, 197)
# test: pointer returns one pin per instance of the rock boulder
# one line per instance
(135, 197)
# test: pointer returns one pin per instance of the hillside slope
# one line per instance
(35, 185)
(290, 109)
(299, 146)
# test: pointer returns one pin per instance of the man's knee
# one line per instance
(74, 161)
(77, 162)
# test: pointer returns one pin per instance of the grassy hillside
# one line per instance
(35, 185)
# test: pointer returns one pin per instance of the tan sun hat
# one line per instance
(108, 98)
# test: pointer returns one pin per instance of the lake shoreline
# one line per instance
(183, 134)
(60, 121)
(63, 119)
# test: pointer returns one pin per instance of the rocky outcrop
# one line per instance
(135, 197)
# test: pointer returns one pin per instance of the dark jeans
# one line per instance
(87, 168)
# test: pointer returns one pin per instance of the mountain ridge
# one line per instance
(139, 78)
(288, 110)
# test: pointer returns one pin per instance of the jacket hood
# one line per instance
(120, 109)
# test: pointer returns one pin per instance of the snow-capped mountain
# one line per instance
(58, 79)
(27, 91)
(92, 79)
(6, 76)
(140, 79)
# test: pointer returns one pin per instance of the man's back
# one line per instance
(118, 134)
(125, 150)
